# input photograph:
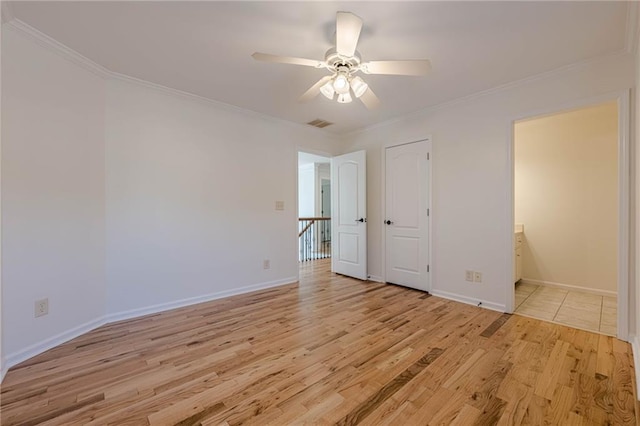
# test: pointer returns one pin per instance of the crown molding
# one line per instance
(82, 61)
(494, 90)
(176, 93)
(55, 46)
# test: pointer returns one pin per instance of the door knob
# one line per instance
(388, 222)
(361, 220)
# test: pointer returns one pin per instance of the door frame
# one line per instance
(383, 207)
(625, 296)
(297, 151)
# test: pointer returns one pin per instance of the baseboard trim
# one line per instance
(38, 348)
(469, 300)
(569, 287)
(635, 349)
(161, 307)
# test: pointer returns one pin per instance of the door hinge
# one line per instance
(427, 212)
(427, 155)
(427, 268)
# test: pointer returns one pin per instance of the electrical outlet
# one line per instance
(41, 307)
(477, 277)
(279, 205)
(266, 264)
(468, 275)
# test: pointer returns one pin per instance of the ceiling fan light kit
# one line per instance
(343, 62)
(344, 87)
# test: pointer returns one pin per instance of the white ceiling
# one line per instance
(205, 47)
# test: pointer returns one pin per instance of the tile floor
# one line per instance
(577, 309)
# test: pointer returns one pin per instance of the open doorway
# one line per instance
(314, 207)
(566, 212)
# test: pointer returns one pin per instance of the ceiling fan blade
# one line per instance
(417, 67)
(348, 28)
(265, 57)
(369, 99)
(314, 90)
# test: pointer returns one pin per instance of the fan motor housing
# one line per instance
(335, 61)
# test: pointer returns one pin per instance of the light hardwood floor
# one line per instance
(331, 350)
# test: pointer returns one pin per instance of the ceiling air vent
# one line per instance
(319, 123)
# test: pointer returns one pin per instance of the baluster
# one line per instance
(314, 239)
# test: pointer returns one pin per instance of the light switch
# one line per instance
(279, 205)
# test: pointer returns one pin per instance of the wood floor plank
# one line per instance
(546, 384)
(390, 388)
(494, 326)
(517, 397)
(327, 350)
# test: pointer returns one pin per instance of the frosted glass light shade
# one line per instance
(359, 86)
(344, 98)
(341, 84)
(327, 90)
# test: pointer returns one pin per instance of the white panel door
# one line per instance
(349, 215)
(406, 215)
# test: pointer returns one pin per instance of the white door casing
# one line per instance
(406, 215)
(349, 215)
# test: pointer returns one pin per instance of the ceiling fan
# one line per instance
(343, 61)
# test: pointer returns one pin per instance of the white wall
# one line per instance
(310, 178)
(566, 195)
(306, 190)
(53, 211)
(471, 211)
(322, 172)
(120, 199)
(191, 192)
